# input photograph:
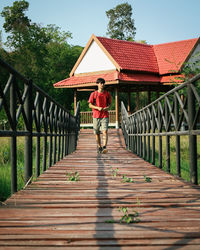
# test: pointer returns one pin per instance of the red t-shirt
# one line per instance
(102, 100)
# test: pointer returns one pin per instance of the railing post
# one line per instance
(55, 136)
(176, 109)
(28, 138)
(13, 138)
(45, 104)
(148, 137)
(153, 137)
(159, 137)
(38, 136)
(62, 134)
(167, 138)
(144, 131)
(66, 117)
(59, 133)
(192, 138)
(51, 126)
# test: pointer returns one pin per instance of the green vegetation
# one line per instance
(184, 156)
(121, 25)
(126, 179)
(5, 165)
(114, 172)
(73, 176)
(5, 169)
(129, 217)
(147, 179)
(40, 53)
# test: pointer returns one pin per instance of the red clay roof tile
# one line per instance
(109, 77)
(131, 55)
(171, 56)
(76, 80)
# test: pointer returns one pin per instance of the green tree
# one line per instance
(121, 25)
(40, 53)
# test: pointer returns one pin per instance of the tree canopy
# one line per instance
(121, 25)
(42, 54)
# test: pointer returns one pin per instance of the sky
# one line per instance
(156, 21)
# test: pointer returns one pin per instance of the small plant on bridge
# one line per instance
(147, 179)
(114, 171)
(129, 217)
(73, 176)
(126, 179)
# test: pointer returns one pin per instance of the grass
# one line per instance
(184, 156)
(5, 168)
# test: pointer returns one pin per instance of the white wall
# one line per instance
(195, 57)
(94, 60)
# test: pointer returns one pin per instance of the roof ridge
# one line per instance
(123, 41)
(186, 40)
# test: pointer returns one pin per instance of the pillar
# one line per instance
(117, 107)
(129, 103)
(137, 100)
(149, 96)
(75, 100)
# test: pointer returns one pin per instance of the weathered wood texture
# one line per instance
(53, 212)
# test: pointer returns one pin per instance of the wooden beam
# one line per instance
(129, 103)
(90, 90)
(137, 100)
(75, 100)
(149, 96)
(157, 94)
(117, 106)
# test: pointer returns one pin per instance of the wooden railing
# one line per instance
(170, 115)
(86, 118)
(29, 112)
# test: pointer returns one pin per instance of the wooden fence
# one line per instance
(86, 118)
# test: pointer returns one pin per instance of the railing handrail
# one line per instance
(42, 116)
(166, 116)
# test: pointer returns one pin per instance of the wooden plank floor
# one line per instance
(53, 212)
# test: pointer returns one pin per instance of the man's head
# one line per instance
(100, 83)
(100, 80)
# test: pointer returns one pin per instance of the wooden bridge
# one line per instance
(121, 201)
(54, 212)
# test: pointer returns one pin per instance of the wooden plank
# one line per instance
(53, 212)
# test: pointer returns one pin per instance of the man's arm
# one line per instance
(108, 103)
(106, 108)
(95, 107)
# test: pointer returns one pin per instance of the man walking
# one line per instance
(100, 102)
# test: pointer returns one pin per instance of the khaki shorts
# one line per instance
(100, 124)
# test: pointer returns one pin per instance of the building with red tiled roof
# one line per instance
(130, 66)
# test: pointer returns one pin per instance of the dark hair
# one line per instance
(100, 80)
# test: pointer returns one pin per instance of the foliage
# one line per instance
(129, 217)
(39, 53)
(147, 179)
(121, 25)
(114, 171)
(73, 176)
(126, 179)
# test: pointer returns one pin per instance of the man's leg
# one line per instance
(105, 134)
(96, 127)
(98, 140)
(105, 138)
